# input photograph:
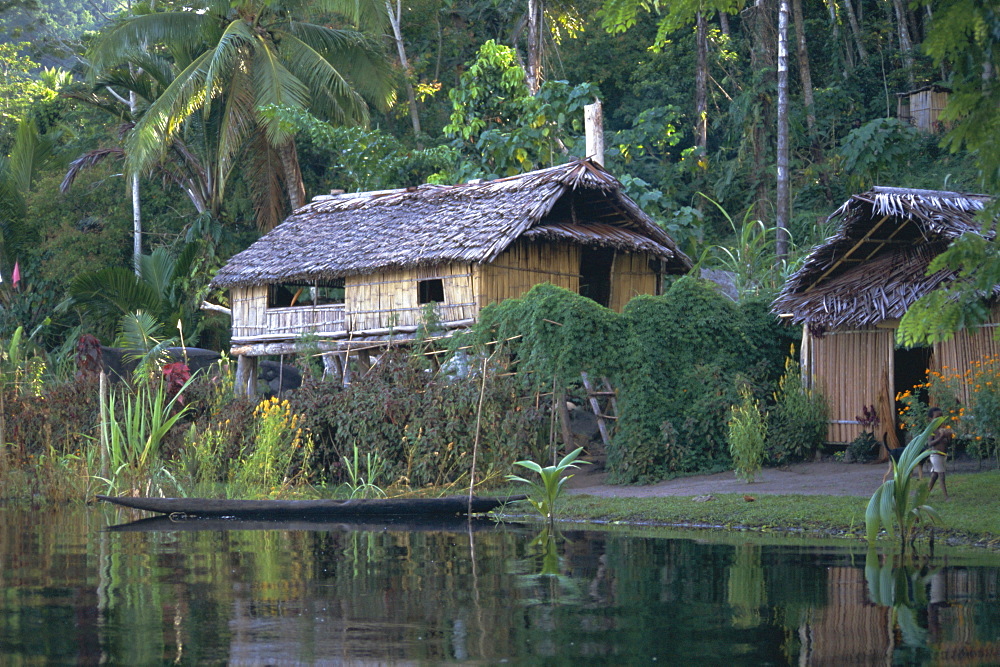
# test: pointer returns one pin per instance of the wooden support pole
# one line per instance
(246, 375)
(592, 395)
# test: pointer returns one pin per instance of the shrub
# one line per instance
(747, 429)
(421, 426)
(797, 422)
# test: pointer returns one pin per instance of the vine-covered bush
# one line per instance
(422, 426)
(674, 359)
(797, 423)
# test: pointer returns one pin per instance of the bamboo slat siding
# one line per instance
(390, 298)
(524, 265)
(325, 319)
(631, 276)
(249, 305)
(853, 369)
(961, 352)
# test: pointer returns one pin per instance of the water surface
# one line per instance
(75, 592)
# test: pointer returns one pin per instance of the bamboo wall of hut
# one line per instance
(391, 298)
(921, 108)
(524, 265)
(853, 369)
(631, 276)
(965, 350)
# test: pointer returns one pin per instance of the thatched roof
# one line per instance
(875, 266)
(337, 236)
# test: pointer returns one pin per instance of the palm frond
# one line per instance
(138, 331)
(137, 32)
(266, 182)
(231, 126)
(368, 15)
(112, 292)
(333, 97)
(157, 269)
(86, 161)
(275, 84)
(30, 152)
(151, 136)
(354, 57)
(231, 53)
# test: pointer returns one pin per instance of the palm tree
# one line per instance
(236, 60)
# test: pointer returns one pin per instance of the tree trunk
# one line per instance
(136, 204)
(701, 84)
(761, 24)
(293, 175)
(534, 68)
(805, 72)
(724, 24)
(905, 43)
(782, 157)
(395, 18)
(852, 19)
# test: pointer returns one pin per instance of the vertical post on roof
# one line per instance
(593, 120)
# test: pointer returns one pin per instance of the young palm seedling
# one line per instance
(899, 501)
(550, 484)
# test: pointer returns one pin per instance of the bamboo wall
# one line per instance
(925, 107)
(389, 298)
(853, 369)
(526, 264)
(961, 352)
(249, 306)
(631, 276)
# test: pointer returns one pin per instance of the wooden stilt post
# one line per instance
(364, 360)
(246, 375)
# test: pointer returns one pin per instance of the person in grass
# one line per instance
(940, 444)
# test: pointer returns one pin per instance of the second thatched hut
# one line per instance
(853, 289)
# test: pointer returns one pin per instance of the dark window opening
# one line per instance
(284, 295)
(430, 291)
(595, 274)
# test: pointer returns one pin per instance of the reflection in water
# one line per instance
(74, 592)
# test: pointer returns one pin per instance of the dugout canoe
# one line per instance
(343, 524)
(218, 508)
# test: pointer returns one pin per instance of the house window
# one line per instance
(430, 291)
(285, 295)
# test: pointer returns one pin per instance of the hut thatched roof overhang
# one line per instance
(875, 266)
(343, 235)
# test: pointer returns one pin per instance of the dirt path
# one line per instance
(826, 478)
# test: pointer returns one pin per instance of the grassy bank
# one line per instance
(972, 516)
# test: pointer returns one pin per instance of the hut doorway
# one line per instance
(595, 274)
(909, 369)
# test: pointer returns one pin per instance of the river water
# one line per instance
(73, 591)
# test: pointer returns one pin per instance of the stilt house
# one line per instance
(353, 271)
(853, 289)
